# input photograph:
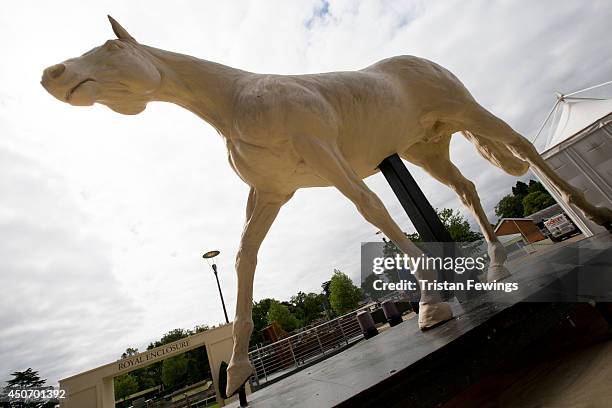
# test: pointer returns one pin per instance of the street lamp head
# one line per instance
(210, 254)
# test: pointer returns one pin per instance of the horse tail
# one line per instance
(498, 154)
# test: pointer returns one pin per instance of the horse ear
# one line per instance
(119, 31)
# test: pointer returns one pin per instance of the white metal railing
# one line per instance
(291, 353)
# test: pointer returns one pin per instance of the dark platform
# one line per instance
(406, 367)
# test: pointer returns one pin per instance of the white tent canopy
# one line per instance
(579, 150)
(573, 115)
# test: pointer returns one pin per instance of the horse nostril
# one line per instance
(55, 71)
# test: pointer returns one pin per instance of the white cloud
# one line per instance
(130, 203)
(58, 285)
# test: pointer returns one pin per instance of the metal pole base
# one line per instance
(242, 397)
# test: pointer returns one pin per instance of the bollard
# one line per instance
(391, 313)
(367, 324)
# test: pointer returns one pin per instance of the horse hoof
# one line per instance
(497, 273)
(433, 314)
(237, 375)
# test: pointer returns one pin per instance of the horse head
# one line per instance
(119, 74)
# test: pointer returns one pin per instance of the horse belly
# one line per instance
(367, 143)
(276, 169)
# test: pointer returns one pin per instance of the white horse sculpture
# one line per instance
(285, 132)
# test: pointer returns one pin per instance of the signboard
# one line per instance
(559, 225)
(152, 355)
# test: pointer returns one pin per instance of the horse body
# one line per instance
(368, 114)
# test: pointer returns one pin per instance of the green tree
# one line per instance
(344, 296)
(138, 380)
(129, 352)
(198, 368)
(201, 328)
(536, 201)
(368, 287)
(260, 319)
(520, 189)
(172, 335)
(174, 371)
(280, 314)
(325, 287)
(524, 200)
(308, 306)
(510, 206)
(329, 313)
(26, 379)
(125, 385)
(29, 379)
(153, 374)
(536, 186)
(457, 226)
(193, 363)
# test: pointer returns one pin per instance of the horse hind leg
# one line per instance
(435, 160)
(331, 165)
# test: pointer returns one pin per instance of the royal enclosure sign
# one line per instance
(152, 355)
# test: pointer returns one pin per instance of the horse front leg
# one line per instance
(262, 209)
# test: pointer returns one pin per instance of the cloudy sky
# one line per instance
(103, 217)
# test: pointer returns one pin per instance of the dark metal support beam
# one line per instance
(414, 202)
(423, 217)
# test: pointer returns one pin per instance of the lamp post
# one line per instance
(210, 256)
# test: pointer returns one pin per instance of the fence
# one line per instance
(198, 402)
(292, 353)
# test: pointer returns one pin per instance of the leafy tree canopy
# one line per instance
(172, 335)
(201, 328)
(520, 189)
(174, 371)
(457, 226)
(308, 306)
(524, 200)
(536, 186)
(344, 296)
(536, 201)
(510, 206)
(260, 319)
(125, 385)
(280, 314)
(26, 379)
(129, 352)
(325, 287)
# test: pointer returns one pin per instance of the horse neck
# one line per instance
(202, 87)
